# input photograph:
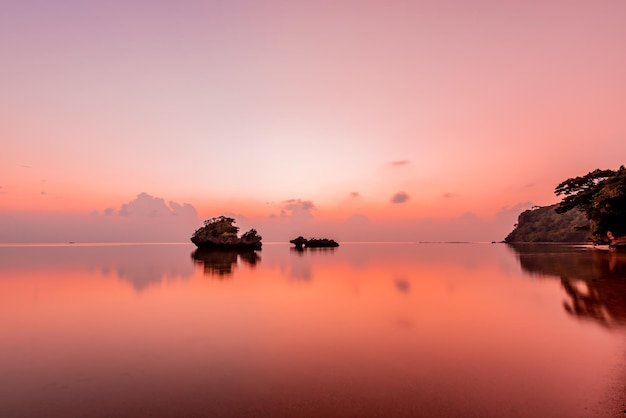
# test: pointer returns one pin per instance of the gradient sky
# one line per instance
(367, 120)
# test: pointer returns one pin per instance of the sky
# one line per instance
(357, 120)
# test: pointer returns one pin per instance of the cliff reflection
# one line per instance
(220, 263)
(594, 280)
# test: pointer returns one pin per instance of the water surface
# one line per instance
(361, 330)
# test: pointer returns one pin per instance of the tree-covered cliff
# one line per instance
(601, 195)
(544, 224)
(593, 207)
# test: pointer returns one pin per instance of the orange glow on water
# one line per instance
(399, 328)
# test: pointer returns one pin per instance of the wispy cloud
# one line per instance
(399, 163)
(355, 194)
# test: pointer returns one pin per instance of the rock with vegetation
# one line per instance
(601, 196)
(544, 224)
(302, 242)
(220, 233)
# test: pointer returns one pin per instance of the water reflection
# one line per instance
(366, 330)
(147, 266)
(220, 263)
(300, 265)
(140, 265)
(303, 250)
(594, 280)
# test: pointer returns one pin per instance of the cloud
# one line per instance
(297, 209)
(143, 219)
(150, 218)
(361, 227)
(145, 205)
(185, 210)
(299, 203)
(102, 226)
(402, 284)
(400, 197)
(290, 218)
(399, 163)
(355, 194)
(448, 195)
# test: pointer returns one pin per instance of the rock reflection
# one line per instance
(594, 280)
(302, 251)
(220, 263)
(300, 269)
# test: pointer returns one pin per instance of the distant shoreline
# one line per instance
(121, 243)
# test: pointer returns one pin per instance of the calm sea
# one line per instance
(364, 330)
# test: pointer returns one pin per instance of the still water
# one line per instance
(363, 330)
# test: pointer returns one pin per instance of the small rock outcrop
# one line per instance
(220, 233)
(302, 242)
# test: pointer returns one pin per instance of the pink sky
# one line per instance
(392, 120)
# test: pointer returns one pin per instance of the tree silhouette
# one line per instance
(601, 195)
